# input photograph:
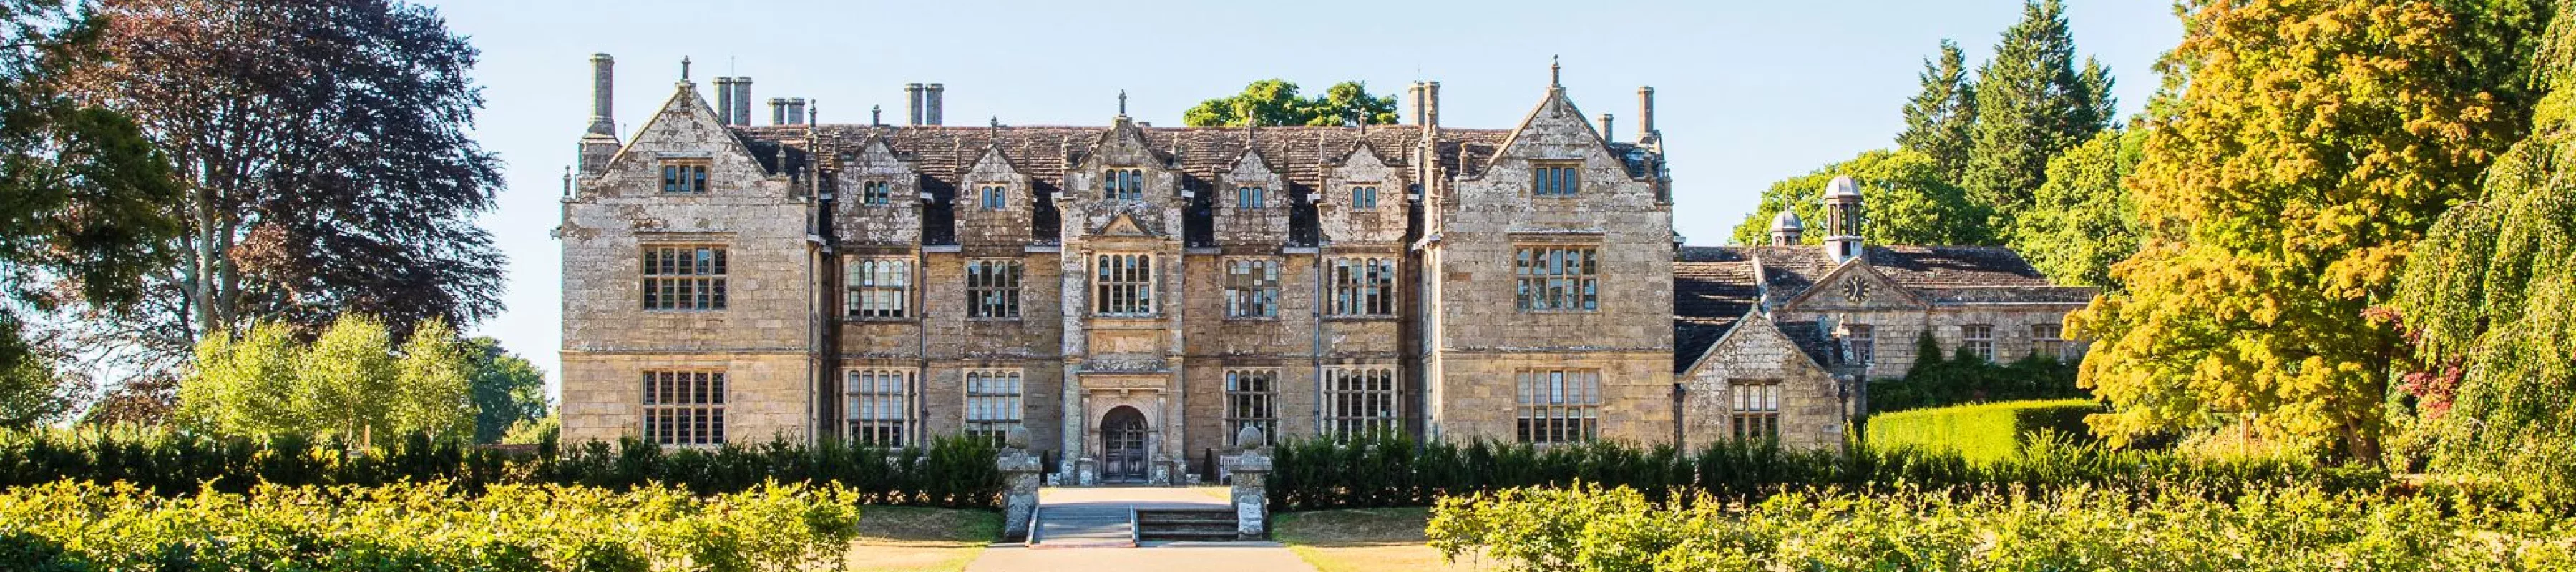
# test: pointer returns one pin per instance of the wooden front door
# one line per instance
(1122, 446)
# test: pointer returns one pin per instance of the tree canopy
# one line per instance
(1906, 202)
(2315, 142)
(2031, 105)
(322, 150)
(1274, 102)
(352, 381)
(1940, 118)
(2488, 299)
(2081, 221)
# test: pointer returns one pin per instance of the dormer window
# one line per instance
(1248, 197)
(876, 193)
(684, 176)
(996, 197)
(1364, 197)
(1123, 185)
(1555, 179)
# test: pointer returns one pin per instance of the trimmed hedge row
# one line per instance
(1393, 470)
(1984, 432)
(955, 472)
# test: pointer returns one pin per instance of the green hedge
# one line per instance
(2295, 529)
(1983, 432)
(951, 472)
(1312, 474)
(1963, 378)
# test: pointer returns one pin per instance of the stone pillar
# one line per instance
(1020, 472)
(1250, 472)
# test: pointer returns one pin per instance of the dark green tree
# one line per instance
(1275, 102)
(2031, 104)
(507, 389)
(82, 199)
(1939, 118)
(1906, 202)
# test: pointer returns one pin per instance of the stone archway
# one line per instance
(1123, 455)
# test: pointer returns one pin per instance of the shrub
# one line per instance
(1965, 378)
(1982, 432)
(2080, 528)
(951, 472)
(74, 525)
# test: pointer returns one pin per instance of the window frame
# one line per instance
(857, 303)
(668, 284)
(1367, 293)
(675, 415)
(876, 192)
(1568, 411)
(1860, 343)
(1134, 286)
(874, 414)
(1754, 414)
(994, 197)
(1251, 197)
(1249, 406)
(1556, 179)
(2048, 340)
(1978, 339)
(986, 403)
(1349, 393)
(1363, 196)
(1122, 184)
(1540, 273)
(685, 176)
(993, 288)
(1252, 283)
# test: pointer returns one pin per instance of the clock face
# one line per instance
(1855, 290)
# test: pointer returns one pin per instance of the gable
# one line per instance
(1855, 286)
(1124, 225)
(1556, 129)
(992, 166)
(684, 127)
(1755, 343)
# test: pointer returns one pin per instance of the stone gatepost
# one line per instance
(1250, 472)
(1020, 474)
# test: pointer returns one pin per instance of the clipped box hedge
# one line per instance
(1981, 432)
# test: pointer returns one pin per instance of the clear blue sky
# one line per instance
(1746, 92)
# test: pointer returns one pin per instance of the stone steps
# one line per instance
(1185, 524)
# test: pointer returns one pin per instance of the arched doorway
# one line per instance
(1122, 446)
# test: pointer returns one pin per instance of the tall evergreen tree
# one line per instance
(2030, 106)
(1938, 118)
(2096, 108)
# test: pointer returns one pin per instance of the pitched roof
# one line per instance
(1943, 274)
(1712, 289)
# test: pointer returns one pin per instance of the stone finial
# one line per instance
(1555, 74)
(1016, 438)
(684, 68)
(1250, 437)
(1122, 102)
(876, 115)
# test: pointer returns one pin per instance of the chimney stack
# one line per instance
(912, 93)
(724, 100)
(1606, 134)
(1431, 104)
(795, 111)
(932, 94)
(1413, 96)
(602, 83)
(741, 101)
(777, 111)
(1646, 115)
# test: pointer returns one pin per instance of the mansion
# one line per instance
(1130, 298)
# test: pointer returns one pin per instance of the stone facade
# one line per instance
(1131, 297)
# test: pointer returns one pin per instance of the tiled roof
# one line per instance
(1712, 289)
(1204, 156)
(1965, 274)
(1811, 340)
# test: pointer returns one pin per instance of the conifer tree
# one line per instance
(2031, 105)
(1938, 119)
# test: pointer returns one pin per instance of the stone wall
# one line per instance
(1811, 406)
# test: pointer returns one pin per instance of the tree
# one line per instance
(2313, 144)
(32, 391)
(1905, 201)
(2031, 105)
(508, 390)
(2081, 221)
(1939, 118)
(323, 151)
(351, 381)
(2488, 298)
(1272, 102)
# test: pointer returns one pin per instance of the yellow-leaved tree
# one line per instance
(2313, 143)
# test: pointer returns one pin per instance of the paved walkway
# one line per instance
(1087, 529)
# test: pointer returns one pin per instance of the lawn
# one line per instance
(915, 539)
(1362, 539)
